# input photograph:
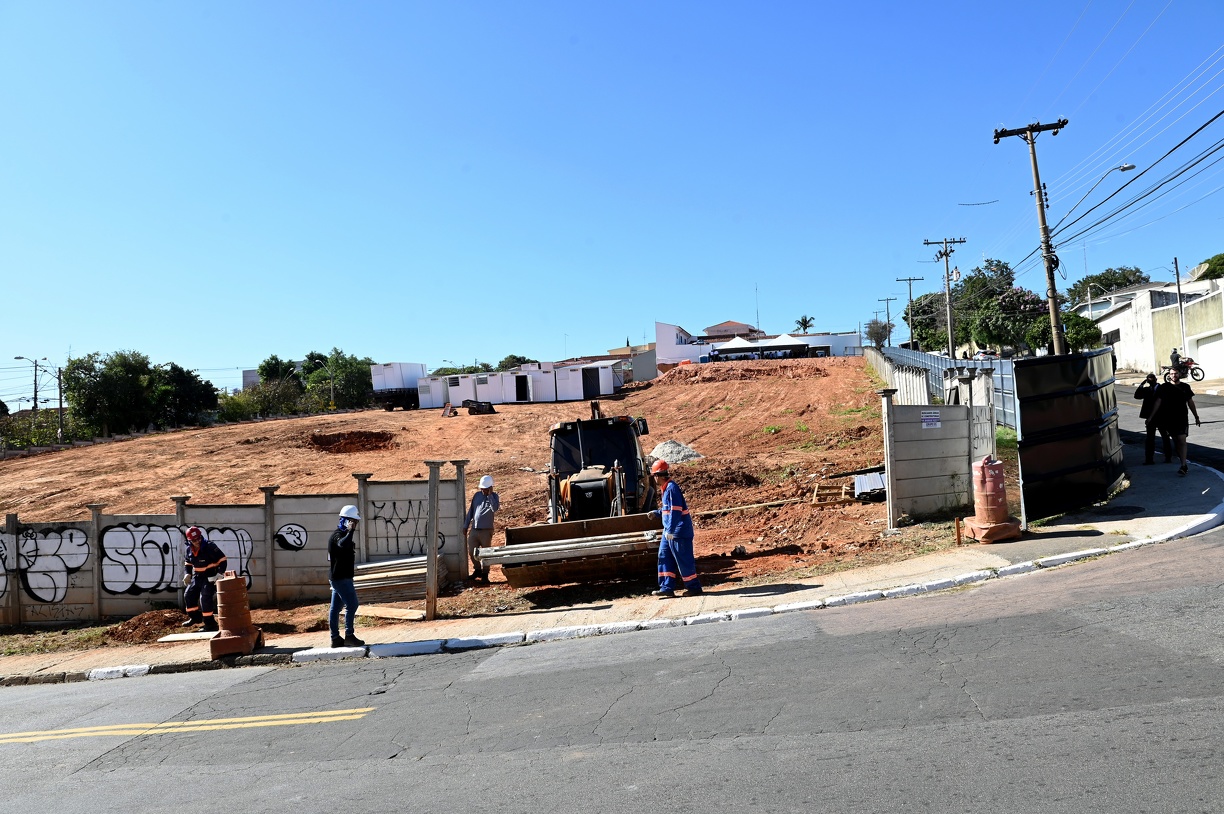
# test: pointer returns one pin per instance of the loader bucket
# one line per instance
(581, 551)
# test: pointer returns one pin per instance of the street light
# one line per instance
(331, 379)
(1120, 167)
(35, 363)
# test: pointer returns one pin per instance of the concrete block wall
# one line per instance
(125, 565)
(927, 458)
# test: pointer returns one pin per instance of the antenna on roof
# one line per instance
(757, 290)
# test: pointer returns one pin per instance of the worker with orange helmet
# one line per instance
(205, 564)
(677, 566)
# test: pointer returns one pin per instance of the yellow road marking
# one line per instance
(286, 719)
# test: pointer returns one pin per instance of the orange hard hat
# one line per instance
(660, 468)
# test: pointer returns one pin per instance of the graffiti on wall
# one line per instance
(398, 528)
(139, 559)
(44, 561)
(291, 537)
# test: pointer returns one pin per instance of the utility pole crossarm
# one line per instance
(1027, 132)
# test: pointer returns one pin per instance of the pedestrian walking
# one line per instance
(204, 564)
(1173, 398)
(1147, 391)
(478, 524)
(341, 560)
(677, 566)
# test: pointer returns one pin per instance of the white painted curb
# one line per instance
(126, 671)
(492, 640)
(328, 654)
(1062, 559)
(394, 649)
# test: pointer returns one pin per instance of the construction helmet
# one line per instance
(194, 534)
(486, 482)
(350, 512)
(660, 467)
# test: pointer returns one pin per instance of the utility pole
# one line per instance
(59, 383)
(887, 319)
(943, 254)
(1029, 134)
(911, 281)
(1181, 312)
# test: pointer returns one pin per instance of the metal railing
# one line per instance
(937, 375)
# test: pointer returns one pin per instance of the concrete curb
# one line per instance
(466, 643)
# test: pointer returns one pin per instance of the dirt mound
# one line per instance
(147, 627)
(354, 441)
(745, 371)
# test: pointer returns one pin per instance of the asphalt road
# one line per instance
(1095, 687)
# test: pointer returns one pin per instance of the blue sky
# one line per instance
(213, 182)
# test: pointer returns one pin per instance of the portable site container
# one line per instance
(529, 386)
(569, 384)
(461, 388)
(489, 387)
(597, 380)
(432, 392)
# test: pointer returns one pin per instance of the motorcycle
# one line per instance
(1188, 367)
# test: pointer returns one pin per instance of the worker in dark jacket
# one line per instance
(1147, 392)
(1173, 398)
(342, 559)
(204, 564)
(677, 565)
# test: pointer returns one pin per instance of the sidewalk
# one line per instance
(1157, 506)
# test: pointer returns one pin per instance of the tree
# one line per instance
(110, 392)
(349, 376)
(877, 332)
(1081, 333)
(276, 370)
(804, 324)
(1005, 320)
(1215, 268)
(927, 321)
(513, 360)
(180, 396)
(976, 290)
(1108, 280)
(4, 410)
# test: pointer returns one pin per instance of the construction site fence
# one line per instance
(941, 373)
(909, 381)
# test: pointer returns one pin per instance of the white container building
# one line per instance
(432, 392)
(489, 387)
(569, 383)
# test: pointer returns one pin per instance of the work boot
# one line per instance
(352, 641)
(210, 625)
(661, 594)
(693, 591)
(192, 621)
(336, 641)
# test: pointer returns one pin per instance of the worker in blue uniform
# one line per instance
(677, 566)
(205, 564)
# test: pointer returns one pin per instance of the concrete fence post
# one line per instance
(269, 493)
(363, 508)
(95, 547)
(431, 544)
(11, 527)
(461, 503)
(890, 480)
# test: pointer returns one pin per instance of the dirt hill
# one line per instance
(769, 430)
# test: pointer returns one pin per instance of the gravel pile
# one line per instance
(675, 452)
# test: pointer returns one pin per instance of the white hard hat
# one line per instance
(350, 512)
(486, 482)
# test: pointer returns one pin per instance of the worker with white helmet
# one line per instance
(478, 524)
(341, 559)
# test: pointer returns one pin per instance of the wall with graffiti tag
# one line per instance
(124, 565)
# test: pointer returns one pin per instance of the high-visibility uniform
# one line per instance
(201, 563)
(676, 562)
